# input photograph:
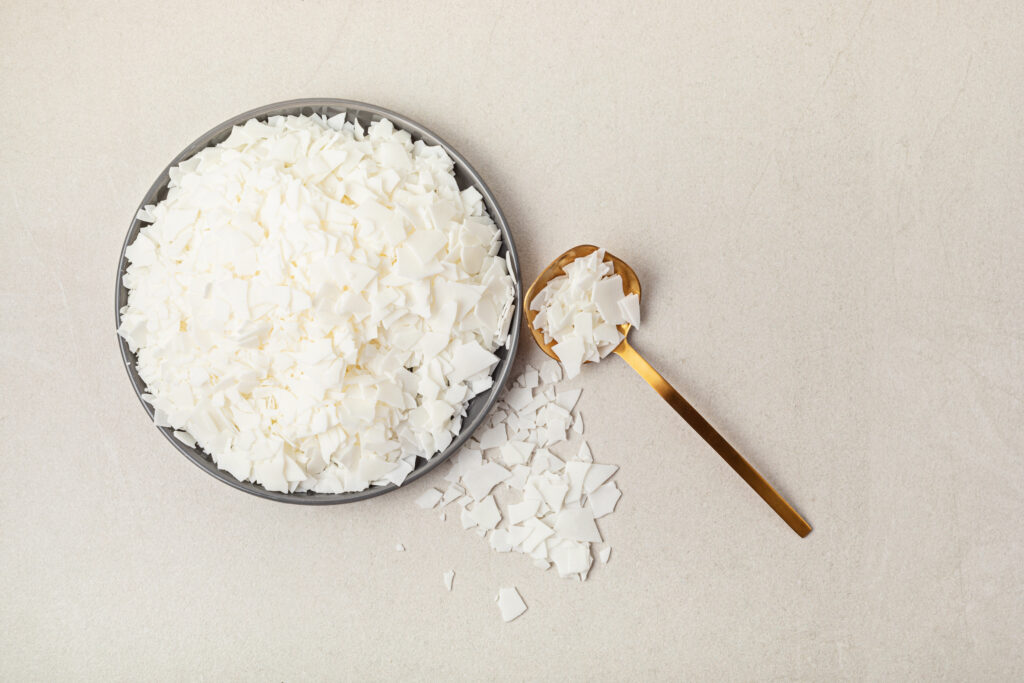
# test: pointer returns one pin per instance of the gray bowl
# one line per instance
(466, 177)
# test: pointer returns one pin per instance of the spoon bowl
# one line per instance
(631, 285)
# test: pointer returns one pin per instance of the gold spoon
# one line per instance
(631, 284)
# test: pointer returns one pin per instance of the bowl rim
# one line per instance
(352, 109)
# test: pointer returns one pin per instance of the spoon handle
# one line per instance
(715, 440)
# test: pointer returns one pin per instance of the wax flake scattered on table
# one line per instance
(529, 483)
(485, 514)
(577, 525)
(451, 493)
(550, 371)
(429, 499)
(449, 579)
(510, 603)
(399, 547)
(577, 424)
(603, 500)
(580, 311)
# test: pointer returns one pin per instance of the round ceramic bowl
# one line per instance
(479, 406)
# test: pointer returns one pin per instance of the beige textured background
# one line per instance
(824, 202)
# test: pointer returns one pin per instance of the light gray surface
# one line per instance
(824, 203)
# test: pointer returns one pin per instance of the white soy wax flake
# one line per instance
(501, 541)
(537, 533)
(606, 295)
(480, 480)
(545, 461)
(453, 492)
(399, 548)
(185, 438)
(577, 424)
(493, 437)
(520, 473)
(572, 352)
(464, 461)
(571, 558)
(603, 500)
(576, 472)
(315, 304)
(596, 475)
(577, 525)
(550, 372)
(520, 512)
(518, 398)
(604, 554)
(429, 498)
(485, 514)
(629, 306)
(510, 603)
(584, 454)
(567, 399)
(401, 470)
(516, 453)
(449, 579)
